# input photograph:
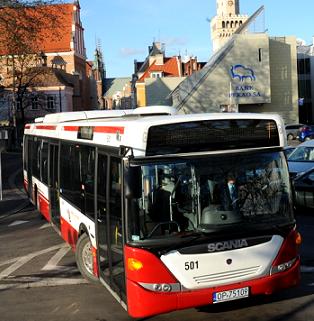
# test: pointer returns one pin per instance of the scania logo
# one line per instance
(227, 245)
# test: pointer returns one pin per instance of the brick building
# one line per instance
(61, 78)
(155, 78)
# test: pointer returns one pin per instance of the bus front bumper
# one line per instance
(143, 303)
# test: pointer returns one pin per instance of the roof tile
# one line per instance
(53, 37)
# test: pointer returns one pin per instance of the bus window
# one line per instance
(70, 186)
(35, 157)
(25, 154)
(102, 215)
(208, 193)
(115, 227)
(115, 196)
(77, 166)
(44, 162)
(87, 179)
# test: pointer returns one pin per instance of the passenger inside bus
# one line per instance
(165, 201)
(222, 202)
(159, 198)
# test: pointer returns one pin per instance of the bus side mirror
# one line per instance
(133, 182)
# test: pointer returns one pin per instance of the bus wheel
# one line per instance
(84, 258)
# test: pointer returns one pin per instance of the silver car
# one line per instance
(301, 159)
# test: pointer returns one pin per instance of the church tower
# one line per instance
(226, 22)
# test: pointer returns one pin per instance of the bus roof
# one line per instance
(143, 126)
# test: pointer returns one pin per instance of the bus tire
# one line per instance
(84, 258)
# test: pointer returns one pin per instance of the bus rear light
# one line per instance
(282, 267)
(134, 264)
(298, 239)
(288, 254)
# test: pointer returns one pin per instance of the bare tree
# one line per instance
(25, 26)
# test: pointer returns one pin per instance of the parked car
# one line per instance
(292, 130)
(306, 132)
(304, 189)
(301, 159)
(288, 150)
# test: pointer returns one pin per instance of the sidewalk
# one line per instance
(14, 197)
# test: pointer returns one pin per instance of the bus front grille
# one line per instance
(228, 275)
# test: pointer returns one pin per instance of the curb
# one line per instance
(19, 192)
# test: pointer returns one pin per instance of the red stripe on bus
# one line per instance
(95, 262)
(25, 185)
(44, 207)
(68, 232)
(27, 126)
(46, 127)
(108, 130)
(71, 128)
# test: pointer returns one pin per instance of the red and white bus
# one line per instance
(168, 211)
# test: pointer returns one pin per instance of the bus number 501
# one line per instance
(191, 265)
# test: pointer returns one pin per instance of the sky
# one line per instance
(124, 29)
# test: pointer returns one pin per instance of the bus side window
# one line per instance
(70, 183)
(101, 185)
(115, 198)
(35, 157)
(87, 162)
(44, 162)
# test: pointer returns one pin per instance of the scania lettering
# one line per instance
(177, 210)
(222, 246)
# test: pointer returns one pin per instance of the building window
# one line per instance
(305, 86)
(260, 54)
(304, 66)
(35, 105)
(156, 75)
(50, 102)
(18, 105)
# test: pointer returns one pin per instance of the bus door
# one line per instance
(54, 188)
(109, 223)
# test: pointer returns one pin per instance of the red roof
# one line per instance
(54, 35)
(170, 69)
(59, 39)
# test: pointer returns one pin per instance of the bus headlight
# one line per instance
(134, 264)
(162, 287)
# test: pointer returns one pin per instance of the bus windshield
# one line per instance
(208, 193)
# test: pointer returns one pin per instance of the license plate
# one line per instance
(230, 295)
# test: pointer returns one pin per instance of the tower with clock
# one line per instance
(226, 22)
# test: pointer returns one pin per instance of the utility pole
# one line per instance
(60, 101)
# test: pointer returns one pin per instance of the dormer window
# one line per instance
(156, 74)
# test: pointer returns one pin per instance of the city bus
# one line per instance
(168, 211)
